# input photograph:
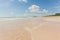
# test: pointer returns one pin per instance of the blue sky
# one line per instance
(18, 8)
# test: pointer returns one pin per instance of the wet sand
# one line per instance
(30, 29)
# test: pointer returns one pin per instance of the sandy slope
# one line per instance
(30, 29)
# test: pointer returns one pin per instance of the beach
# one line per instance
(45, 28)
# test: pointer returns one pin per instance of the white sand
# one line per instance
(30, 29)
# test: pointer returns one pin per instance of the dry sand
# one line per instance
(47, 28)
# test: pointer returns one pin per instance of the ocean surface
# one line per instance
(14, 18)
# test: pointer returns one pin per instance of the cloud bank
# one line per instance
(35, 8)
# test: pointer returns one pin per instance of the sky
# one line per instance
(22, 8)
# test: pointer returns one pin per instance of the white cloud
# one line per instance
(45, 11)
(35, 8)
(22, 1)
